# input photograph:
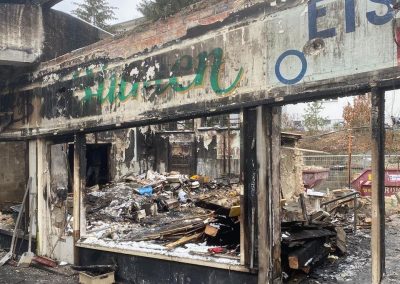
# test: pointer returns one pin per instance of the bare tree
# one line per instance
(359, 114)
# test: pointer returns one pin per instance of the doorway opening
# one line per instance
(98, 166)
(98, 163)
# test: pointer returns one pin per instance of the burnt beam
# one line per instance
(378, 183)
(248, 160)
(268, 194)
(79, 183)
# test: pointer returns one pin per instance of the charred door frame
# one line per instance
(260, 130)
(378, 131)
(262, 124)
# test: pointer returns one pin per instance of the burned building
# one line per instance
(199, 93)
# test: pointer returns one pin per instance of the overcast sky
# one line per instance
(126, 9)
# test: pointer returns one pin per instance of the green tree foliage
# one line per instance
(161, 9)
(96, 12)
(313, 120)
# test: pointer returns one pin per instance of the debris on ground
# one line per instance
(7, 221)
(320, 231)
(166, 212)
(198, 217)
(13, 274)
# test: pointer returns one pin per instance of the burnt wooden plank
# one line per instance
(311, 253)
(378, 183)
(306, 235)
(218, 209)
(303, 208)
(268, 194)
(341, 240)
(79, 185)
(249, 175)
(274, 155)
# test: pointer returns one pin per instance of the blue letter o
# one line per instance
(303, 71)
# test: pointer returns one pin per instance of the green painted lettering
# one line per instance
(122, 89)
(182, 66)
(110, 97)
(88, 90)
(216, 68)
(111, 91)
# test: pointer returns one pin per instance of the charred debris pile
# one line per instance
(171, 210)
(315, 228)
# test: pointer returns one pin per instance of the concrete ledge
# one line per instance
(239, 268)
(21, 27)
(146, 269)
(17, 57)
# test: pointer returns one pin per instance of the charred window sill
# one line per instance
(208, 261)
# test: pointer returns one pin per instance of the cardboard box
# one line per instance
(107, 278)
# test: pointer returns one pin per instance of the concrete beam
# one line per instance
(46, 3)
(17, 57)
(22, 35)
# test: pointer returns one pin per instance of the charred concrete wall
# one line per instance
(30, 34)
(291, 166)
(131, 150)
(21, 34)
(137, 150)
(218, 152)
(64, 33)
(291, 172)
(12, 173)
(219, 56)
(208, 152)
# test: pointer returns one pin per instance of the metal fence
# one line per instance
(339, 167)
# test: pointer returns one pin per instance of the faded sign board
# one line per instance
(284, 52)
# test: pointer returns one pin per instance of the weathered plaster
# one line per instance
(219, 58)
(12, 174)
(21, 34)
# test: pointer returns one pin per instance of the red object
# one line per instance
(216, 250)
(45, 261)
(363, 182)
(313, 177)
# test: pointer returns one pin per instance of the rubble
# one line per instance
(311, 231)
(7, 221)
(169, 212)
(324, 232)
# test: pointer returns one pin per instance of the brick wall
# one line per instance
(149, 35)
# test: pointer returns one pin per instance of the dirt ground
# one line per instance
(356, 266)
(335, 142)
(13, 275)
